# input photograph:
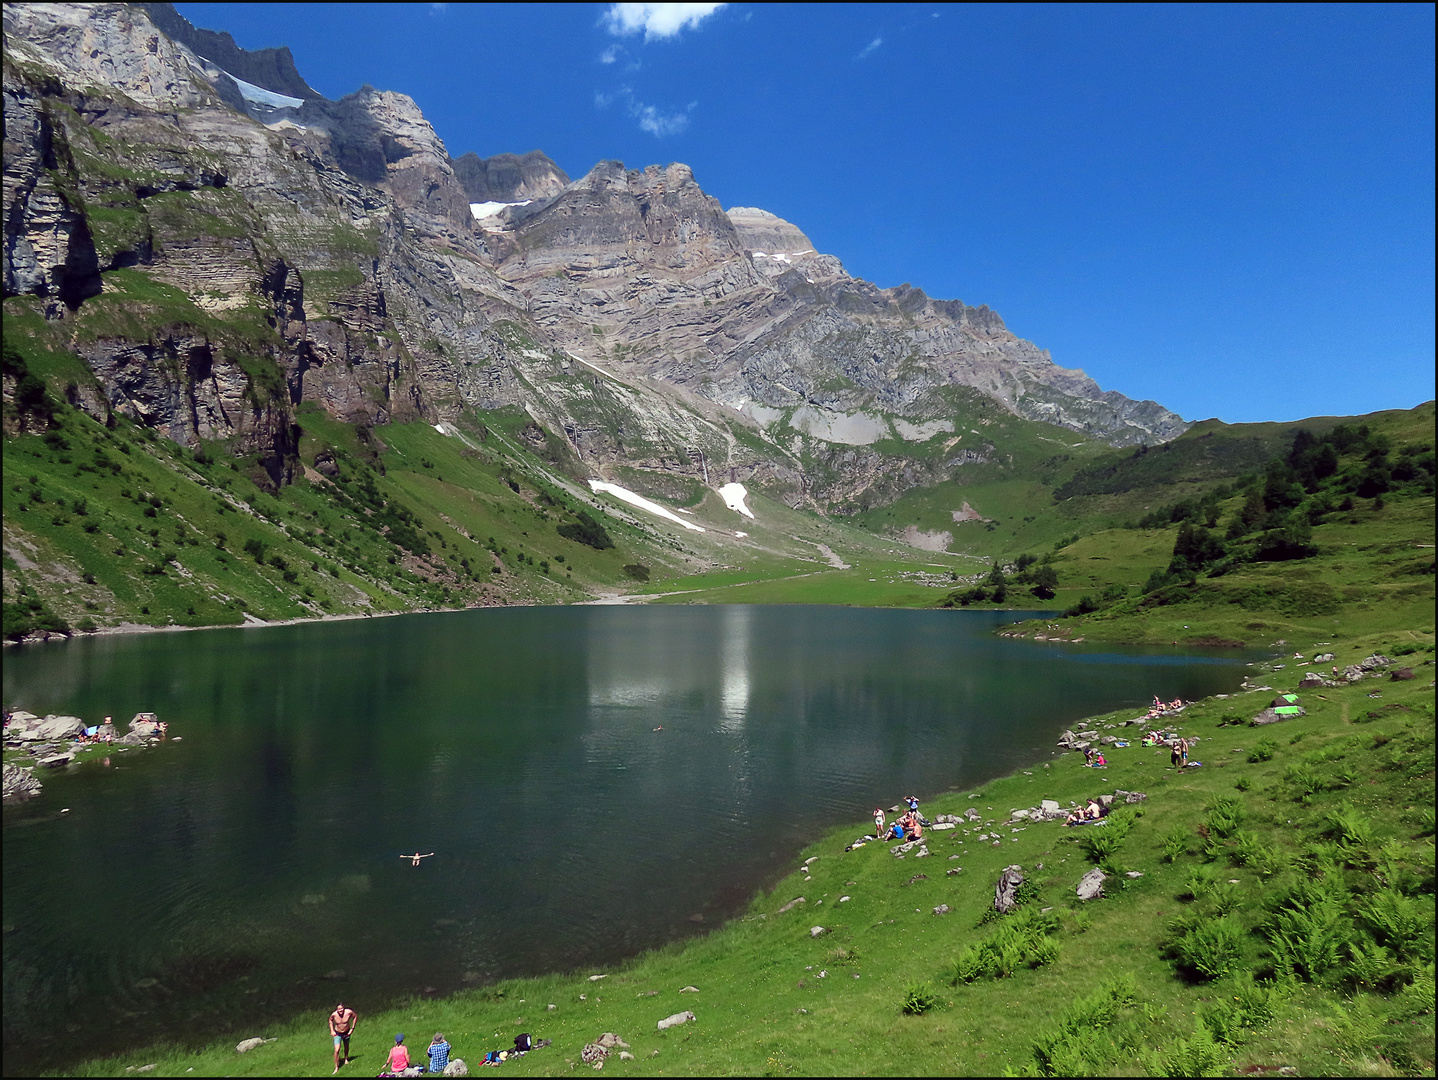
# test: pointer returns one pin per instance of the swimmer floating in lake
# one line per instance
(415, 858)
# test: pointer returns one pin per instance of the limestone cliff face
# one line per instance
(510, 177)
(221, 244)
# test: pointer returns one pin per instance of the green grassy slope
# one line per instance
(1284, 918)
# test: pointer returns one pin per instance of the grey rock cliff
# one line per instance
(325, 252)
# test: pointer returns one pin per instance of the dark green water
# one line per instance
(209, 884)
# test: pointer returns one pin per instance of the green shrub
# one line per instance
(1226, 898)
(1223, 815)
(585, 530)
(919, 998)
(1175, 843)
(1199, 881)
(1075, 1046)
(1263, 751)
(1402, 923)
(1023, 938)
(1309, 932)
(1198, 1055)
(1350, 828)
(1212, 950)
(1303, 782)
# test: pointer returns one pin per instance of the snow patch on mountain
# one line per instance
(633, 499)
(482, 210)
(734, 496)
(258, 95)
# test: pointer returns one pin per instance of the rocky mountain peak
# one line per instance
(509, 177)
(272, 69)
(766, 233)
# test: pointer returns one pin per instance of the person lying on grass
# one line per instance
(1092, 812)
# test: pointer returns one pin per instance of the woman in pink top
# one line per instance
(399, 1055)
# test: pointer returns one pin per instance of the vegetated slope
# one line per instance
(1321, 531)
(1271, 909)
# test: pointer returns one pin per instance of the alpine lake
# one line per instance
(592, 781)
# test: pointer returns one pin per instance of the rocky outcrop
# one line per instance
(273, 69)
(19, 785)
(509, 177)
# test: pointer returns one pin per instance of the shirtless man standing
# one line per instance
(342, 1026)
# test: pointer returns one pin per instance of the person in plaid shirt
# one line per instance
(438, 1053)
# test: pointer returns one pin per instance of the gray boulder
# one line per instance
(1090, 886)
(1269, 716)
(1005, 892)
(19, 784)
(246, 1045)
(456, 1067)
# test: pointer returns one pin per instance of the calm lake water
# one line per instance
(252, 869)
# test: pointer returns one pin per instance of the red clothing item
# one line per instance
(399, 1058)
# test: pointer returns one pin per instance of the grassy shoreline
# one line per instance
(763, 1006)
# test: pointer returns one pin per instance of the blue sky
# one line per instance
(1227, 209)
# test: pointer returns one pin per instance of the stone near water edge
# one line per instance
(19, 784)
(791, 905)
(675, 1020)
(940, 826)
(456, 1067)
(815, 931)
(246, 1045)
(1007, 888)
(1090, 886)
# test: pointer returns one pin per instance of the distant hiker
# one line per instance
(342, 1026)
(878, 824)
(399, 1055)
(415, 858)
(438, 1053)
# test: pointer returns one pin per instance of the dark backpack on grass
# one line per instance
(522, 1043)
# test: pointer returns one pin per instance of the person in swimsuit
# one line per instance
(415, 858)
(878, 824)
(342, 1026)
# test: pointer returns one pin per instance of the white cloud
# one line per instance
(870, 48)
(611, 54)
(602, 100)
(657, 123)
(656, 20)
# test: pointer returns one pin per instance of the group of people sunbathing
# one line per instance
(909, 826)
(1090, 811)
(1161, 707)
